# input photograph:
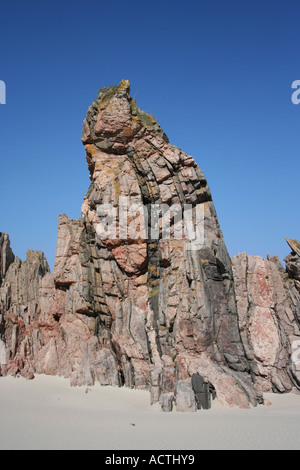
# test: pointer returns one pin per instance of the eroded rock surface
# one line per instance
(6, 255)
(132, 308)
(293, 262)
(269, 318)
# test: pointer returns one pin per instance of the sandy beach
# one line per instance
(47, 413)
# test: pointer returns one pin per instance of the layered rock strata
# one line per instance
(134, 303)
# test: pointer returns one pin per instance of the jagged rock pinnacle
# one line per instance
(156, 312)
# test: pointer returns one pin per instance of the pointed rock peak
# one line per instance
(124, 85)
(292, 262)
(105, 94)
(114, 120)
(294, 245)
(6, 255)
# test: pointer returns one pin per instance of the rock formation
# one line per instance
(269, 319)
(6, 255)
(136, 301)
(293, 262)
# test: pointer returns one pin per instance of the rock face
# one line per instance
(269, 318)
(136, 300)
(20, 313)
(293, 262)
(6, 255)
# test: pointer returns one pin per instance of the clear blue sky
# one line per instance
(216, 74)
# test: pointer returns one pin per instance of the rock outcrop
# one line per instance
(6, 255)
(20, 318)
(269, 319)
(136, 299)
(293, 262)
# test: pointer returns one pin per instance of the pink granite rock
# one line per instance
(133, 300)
(269, 311)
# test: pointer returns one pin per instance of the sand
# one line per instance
(48, 414)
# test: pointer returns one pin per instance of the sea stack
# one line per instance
(134, 300)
